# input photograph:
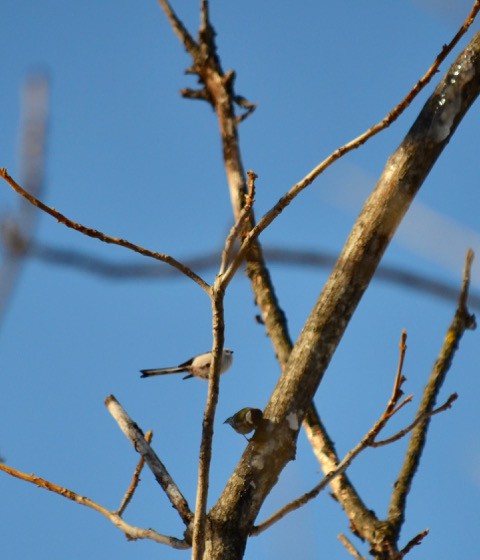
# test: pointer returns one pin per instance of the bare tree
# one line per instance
(223, 531)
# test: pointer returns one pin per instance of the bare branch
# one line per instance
(399, 378)
(208, 422)
(363, 521)
(390, 409)
(417, 539)
(236, 228)
(272, 315)
(357, 142)
(350, 548)
(136, 437)
(219, 90)
(245, 104)
(188, 42)
(90, 232)
(131, 532)
(403, 176)
(202, 94)
(461, 322)
(124, 270)
(448, 404)
(135, 479)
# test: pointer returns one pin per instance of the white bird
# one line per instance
(198, 366)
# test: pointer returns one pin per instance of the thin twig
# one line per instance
(401, 179)
(350, 456)
(131, 532)
(204, 16)
(367, 441)
(237, 227)
(399, 378)
(180, 30)
(448, 404)
(349, 546)
(135, 479)
(393, 115)
(90, 232)
(417, 540)
(462, 321)
(135, 435)
(315, 491)
(234, 172)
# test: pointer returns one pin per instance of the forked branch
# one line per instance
(135, 479)
(461, 322)
(393, 406)
(131, 532)
(137, 439)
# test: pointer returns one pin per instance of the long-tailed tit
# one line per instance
(199, 366)
(246, 420)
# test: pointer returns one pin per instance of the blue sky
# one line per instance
(128, 156)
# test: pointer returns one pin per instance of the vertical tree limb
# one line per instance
(218, 294)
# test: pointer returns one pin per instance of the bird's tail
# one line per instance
(160, 371)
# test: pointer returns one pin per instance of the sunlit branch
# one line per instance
(137, 439)
(90, 232)
(131, 532)
(237, 227)
(350, 548)
(461, 322)
(287, 198)
(135, 479)
(205, 456)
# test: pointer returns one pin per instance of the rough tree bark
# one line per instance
(224, 531)
(230, 520)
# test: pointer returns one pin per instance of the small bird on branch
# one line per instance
(198, 366)
(246, 420)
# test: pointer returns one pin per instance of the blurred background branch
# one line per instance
(125, 270)
(17, 229)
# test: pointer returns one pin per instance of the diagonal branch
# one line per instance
(135, 479)
(90, 232)
(137, 439)
(403, 176)
(287, 198)
(391, 408)
(350, 548)
(131, 532)
(461, 322)
(219, 91)
(417, 540)
(445, 406)
(180, 30)
(273, 316)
